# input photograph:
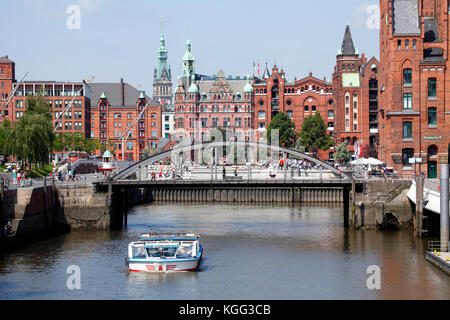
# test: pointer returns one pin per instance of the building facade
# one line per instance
(203, 103)
(414, 85)
(355, 83)
(298, 99)
(69, 102)
(7, 78)
(168, 123)
(115, 109)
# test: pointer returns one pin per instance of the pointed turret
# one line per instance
(193, 87)
(347, 48)
(266, 74)
(162, 60)
(188, 61)
(248, 87)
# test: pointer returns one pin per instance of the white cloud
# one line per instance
(90, 6)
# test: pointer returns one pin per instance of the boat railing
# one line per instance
(437, 245)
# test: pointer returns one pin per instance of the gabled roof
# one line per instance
(266, 74)
(113, 92)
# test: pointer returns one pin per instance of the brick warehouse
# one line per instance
(99, 110)
(415, 88)
(348, 104)
(203, 102)
(7, 78)
(77, 119)
(114, 108)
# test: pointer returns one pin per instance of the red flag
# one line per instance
(258, 68)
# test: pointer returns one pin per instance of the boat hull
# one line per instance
(169, 266)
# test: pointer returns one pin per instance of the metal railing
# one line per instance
(438, 245)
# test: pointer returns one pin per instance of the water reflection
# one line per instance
(251, 252)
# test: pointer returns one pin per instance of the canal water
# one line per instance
(250, 252)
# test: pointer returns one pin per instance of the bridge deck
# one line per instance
(332, 183)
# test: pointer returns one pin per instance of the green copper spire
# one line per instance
(188, 61)
(248, 87)
(162, 60)
(193, 88)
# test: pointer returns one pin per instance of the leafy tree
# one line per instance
(286, 127)
(5, 137)
(298, 147)
(314, 136)
(32, 138)
(342, 154)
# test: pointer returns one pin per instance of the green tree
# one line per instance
(298, 147)
(314, 136)
(286, 127)
(5, 137)
(32, 138)
(342, 154)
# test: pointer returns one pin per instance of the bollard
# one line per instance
(444, 209)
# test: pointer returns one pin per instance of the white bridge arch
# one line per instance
(211, 145)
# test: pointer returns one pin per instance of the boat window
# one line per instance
(139, 252)
(184, 251)
(161, 251)
(168, 251)
(154, 252)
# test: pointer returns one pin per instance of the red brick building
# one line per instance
(414, 84)
(7, 78)
(355, 83)
(299, 99)
(203, 102)
(114, 109)
(59, 95)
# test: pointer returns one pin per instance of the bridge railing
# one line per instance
(437, 245)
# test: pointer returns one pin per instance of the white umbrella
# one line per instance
(374, 161)
(360, 161)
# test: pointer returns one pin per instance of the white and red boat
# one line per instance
(170, 252)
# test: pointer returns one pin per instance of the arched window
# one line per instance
(275, 92)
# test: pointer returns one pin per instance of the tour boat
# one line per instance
(168, 252)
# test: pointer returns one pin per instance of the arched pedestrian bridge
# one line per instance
(207, 148)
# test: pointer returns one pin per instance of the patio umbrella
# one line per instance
(374, 161)
(362, 161)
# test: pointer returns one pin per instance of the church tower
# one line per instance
(162, 79)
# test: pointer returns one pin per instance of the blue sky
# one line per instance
(120, 38)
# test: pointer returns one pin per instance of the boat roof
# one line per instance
(169, 236)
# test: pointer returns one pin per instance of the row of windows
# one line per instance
(68, 125)
(407, 44)
(300, 90)
(432, 83)
(347, 67)
(215, 108)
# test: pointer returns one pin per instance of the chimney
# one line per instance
(122, 91)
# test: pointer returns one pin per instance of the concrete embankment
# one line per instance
(384, 204)
(42, 211)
